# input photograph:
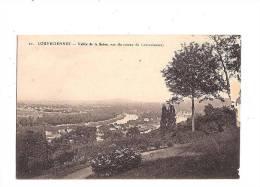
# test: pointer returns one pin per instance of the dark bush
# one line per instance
(157, 144)
(169, 144)
(114, 162)
(64, 157)
(133, 131)
(214, 119)
(31, 153)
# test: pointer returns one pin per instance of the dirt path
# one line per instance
(80, 174)
(177, 150)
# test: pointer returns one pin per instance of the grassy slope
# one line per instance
(219, 159)
(206, 166)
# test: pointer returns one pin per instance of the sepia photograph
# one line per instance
(128, 106)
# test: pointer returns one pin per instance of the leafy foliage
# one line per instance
(215, 119)
(228, 50)
(133, 131)
(194, 71)
(117, 161)
(31, 154)
(168, 117)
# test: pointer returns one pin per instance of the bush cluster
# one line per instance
(114, 162)
(215, 119)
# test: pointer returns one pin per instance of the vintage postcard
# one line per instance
(128, 107)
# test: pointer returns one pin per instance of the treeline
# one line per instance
(66, 118)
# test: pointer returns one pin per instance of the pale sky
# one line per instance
(96, 73)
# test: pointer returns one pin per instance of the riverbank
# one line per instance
(105, 122)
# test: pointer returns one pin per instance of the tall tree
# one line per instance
(163, 117)
(194, 73)
(171, 111)
(171, 116)
(227, 49)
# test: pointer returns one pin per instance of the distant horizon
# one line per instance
(108, 101)
(85, 100)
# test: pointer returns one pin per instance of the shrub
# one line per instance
(169, 144)
(157, 144)
(31, 153)
(133, 131)
(214, 119)
(115, 162)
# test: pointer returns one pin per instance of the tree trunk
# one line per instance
(192, 115)
(226, 75)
